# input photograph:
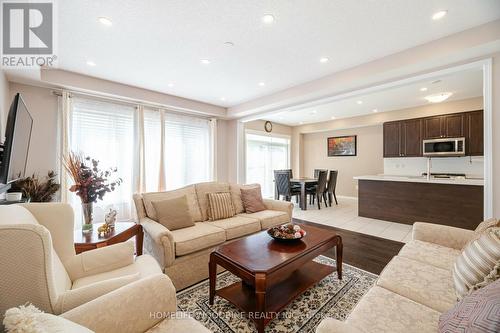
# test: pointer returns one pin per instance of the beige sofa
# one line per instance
(184, 253)
(105, 290)
(413, 290)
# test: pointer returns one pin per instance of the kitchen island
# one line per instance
(407, 199)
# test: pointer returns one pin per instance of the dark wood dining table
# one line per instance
(304, 182)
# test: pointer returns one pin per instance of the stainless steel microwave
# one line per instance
(444, 147)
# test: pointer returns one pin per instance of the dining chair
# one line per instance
(284, 186)
(319, 190)
(316, 172)
(330, 188)
(311, 188)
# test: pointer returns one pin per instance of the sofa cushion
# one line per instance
(476, 312)
(238, 226)
(220, 206)
(252, 200)
(236, 195)
(478, 264)
(268, 218)
(423, 283)
(430, 253)
(201, 236)
(381, 310)
(202, 189)
(188, 191)
(174, 213)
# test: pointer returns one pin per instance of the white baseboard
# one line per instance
(347, 197)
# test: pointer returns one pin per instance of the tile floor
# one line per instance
(345, 216)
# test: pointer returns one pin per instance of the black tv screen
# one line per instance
(17, 142)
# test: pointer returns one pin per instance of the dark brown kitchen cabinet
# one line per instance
(448, 126)
(474, 138)
(403, 138)
(392, 139)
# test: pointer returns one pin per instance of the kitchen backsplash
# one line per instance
(413, 166)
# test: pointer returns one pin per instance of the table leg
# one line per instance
(139, 238)
(339, 249)
(260, 296)
(212, 274)
(303, 197)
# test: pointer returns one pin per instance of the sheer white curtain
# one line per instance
(105, 131)
(264, 154)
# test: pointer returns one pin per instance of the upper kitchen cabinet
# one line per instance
(474, 138)
(448, 126)
(403, 138)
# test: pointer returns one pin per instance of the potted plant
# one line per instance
(37, 189)
(91, 183)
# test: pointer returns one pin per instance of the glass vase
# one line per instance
(87, 217)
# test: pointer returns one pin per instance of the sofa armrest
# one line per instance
(134, 308)
(158, 242)
(100, 260)
(444, 235)
(283, 206)
(330, 325)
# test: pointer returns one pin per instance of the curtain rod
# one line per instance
(58, 92)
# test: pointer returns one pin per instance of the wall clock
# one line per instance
(268, 126)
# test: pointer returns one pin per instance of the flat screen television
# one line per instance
(17, 142)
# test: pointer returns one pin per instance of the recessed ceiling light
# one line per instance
(359, 102)
(438, 98)
(333, 117)
(323, 60)
(205, 61)
(171, 84)
(262, 84)
(375, 110)
(423, 89)
(105, 21)
(313, 112)
(300, 123)
(229, 44)
(439, 15)
(91, 63)
(268, 19)
(223, 98)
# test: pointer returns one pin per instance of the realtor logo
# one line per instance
(27, 33)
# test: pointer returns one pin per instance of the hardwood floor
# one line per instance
(367, 252)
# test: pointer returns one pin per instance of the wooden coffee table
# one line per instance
(273, 273)
(122, 232)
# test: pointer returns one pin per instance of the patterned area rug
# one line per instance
(331, 297)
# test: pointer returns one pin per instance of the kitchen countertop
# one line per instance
(423, 179)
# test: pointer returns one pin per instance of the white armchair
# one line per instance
(97, 289)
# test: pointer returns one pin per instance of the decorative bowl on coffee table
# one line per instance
(287, 232)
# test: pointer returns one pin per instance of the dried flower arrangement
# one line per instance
(37, 189)
(91, 183)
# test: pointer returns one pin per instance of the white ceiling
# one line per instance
(156, 42)
(465, 84)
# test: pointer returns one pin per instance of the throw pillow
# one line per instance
(252, 199)
(478, 264)
(486, 224)
(220, 206)
(174, 213)
(477, 312)
(29, 319)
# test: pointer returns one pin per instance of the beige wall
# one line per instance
(42, 105)
(4, 102)
(369, 159)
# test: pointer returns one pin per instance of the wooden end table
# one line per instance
(273, 273)
(122, 232)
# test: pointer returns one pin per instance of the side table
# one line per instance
(122, 232)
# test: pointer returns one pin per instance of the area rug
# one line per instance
(331, 298)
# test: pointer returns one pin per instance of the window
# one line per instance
(105, 131)
(187, 150)
(264, 154)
